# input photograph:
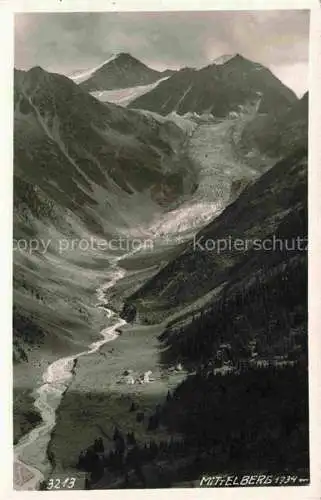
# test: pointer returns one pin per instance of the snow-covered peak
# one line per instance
(125, 96)
(223, 59)
(82, 75)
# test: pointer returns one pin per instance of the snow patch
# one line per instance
(81, 76)
(123, 97)
(223, 59)
(187, 91)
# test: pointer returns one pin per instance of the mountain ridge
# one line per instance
(217, 89)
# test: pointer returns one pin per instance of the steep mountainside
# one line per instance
(218, 89)
(249, 343)
(262, 294)
(275, 203)
(240, 331)
(120, 72)
(276, 133)
(66, 126)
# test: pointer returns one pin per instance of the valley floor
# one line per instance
(100, 396)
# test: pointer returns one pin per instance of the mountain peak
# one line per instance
(37, 70)
(221, 88)
(120, 71)
(31, 77)
(125, 55)
(127, 58)
(223, 59)
(238, 59)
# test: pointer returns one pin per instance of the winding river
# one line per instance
(32, 448)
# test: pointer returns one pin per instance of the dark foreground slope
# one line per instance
(121, 72)
(217, 89)
(248, 349)
(252, 422)
(276, 132)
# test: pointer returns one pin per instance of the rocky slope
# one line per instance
(120, 72)
(211, 259)
(276, 133)
(278, 197)
(218, 89)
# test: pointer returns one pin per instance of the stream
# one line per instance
(32, 448)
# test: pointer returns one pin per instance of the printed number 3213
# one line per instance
(57, 484)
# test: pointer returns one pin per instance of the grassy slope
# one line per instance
(95, 402)
(25, 417)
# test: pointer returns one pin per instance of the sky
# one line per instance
(69, 42)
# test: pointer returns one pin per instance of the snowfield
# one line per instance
(83, 75)
(211, 148)
(125, 96)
